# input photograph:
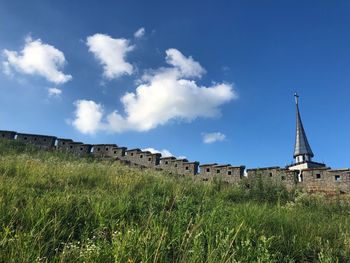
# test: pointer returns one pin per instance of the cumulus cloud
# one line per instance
(140, 33)
(37, 58)
(88, 116)
(187, 66)
(111, 53)
(213, 137)
(54, 92)
(165, 94)
(164, 152)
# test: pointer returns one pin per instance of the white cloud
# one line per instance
(54, 92)
(88, 116)
(187, 66)
(164, 152)
(37, 58)
(213, 137)
(140, 33)
(111, 53)
(164, 95)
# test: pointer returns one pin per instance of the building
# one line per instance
(305, 173)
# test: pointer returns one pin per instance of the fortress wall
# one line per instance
(275, 174)
(63, 144)
(326, 180)
(166, 164)
(103, 150)
(42, 141)
(9, 135)
(119, 152)
(178, 166)
(319, 179)
(206, 171)
(226, 173)
(151, 160)
(189, 168)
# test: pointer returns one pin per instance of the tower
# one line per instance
(302, 151)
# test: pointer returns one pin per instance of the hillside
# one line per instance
(58, 208)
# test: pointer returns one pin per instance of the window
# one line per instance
(318, 176)
(270, 174)
(44, 140)
(35, 139)
(131, 154)
(81, 148)
(186, 168)
(166, 162)
(149, 159)
(141, 156)
(63, 143)
(25, 138)
(208, 170)
(3, 135)
(115, 152)
(98, 149)
(217, 171)
(176, 165)
(71, 146)
(229, 172)
(337, 178)
(106, 148)
(283, 178)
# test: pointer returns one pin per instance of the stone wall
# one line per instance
(42, 141)
(226, 173)
(9, 135)
(321, 179)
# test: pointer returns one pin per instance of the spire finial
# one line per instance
(296, 96)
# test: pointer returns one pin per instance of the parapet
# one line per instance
(103, 150)
(9, 135)
(41, 141)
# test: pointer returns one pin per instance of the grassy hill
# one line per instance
(58, 208)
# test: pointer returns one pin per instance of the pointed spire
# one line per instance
(302, 146)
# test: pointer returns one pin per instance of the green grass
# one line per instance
(58, 208)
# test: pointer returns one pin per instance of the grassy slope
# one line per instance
(57, 208)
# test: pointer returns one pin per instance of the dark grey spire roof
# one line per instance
(302, 146)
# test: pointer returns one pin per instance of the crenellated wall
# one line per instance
(321, 179)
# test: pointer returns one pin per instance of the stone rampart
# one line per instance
(321, 179)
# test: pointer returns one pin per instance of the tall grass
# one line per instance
(58, 208)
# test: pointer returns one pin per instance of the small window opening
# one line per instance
(283, 178)
(98, 149)
(44, 140)
(141, 156)
(337, 178)
(176, 165)
(318, 176)
(63, 143)
(186, 168)
(270, 174)
(166, 162)
(229, 172)
(208, 170)
(35, 139)
(25, 138)
(131, 154)
(81, 148)
(115, 152)
(218, 171)
(3, 135)
(71, 146)
(107, 149)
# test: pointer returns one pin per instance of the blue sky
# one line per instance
(224, 68)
